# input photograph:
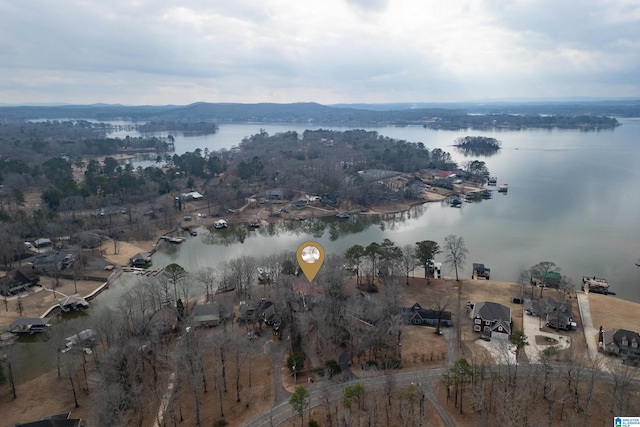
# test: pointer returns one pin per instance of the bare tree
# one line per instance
(543, 274)
(455, 252)
(207, 276)
(408, 260)
(623, 377)
(440, 303)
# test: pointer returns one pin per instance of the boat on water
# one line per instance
(220, 224)
(503, 188)
(254, 223)
(173, 239)
(342, 215)
(638, 262)
(455, 202)
(492, 180)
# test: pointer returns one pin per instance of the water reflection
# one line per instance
(333, 228)
(477, 152)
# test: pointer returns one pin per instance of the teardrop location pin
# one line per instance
(310, 258)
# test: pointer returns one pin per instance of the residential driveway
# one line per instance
(587, 323)
(590, 332)
(501, 350)
(532, 329)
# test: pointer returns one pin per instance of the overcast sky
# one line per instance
(330, 51)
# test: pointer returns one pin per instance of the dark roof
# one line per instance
(201, 310)
(143, 256)
(206, 313)
(58, 420)
(31, 321)
(488, 310)
(428, 313)
(622, 333)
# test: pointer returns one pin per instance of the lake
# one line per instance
(573, 200)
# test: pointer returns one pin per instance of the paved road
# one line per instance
(318, 393)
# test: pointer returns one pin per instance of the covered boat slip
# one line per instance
(30, 325)
(596, 285)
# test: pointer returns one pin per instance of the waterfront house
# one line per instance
(622, 343)
(307, 292)
(19, 280)
(492, 319)
(556, 314)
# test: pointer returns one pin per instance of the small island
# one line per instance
(478, 143)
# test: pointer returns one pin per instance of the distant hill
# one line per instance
(433, 115)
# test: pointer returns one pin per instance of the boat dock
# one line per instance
(596, 285)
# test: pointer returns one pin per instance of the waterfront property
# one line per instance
(622, 343)
(595, 284)
(220, 224)
(142, 259)
(72, 303)
(556, 314)
(19, 280)
(29, 325)
(492, 319)
(479, 270)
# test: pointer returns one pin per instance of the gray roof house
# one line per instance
(492, 319)
(557, 314)
(623, 343)
(416, 315)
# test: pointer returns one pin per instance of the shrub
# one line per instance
(296, 359)
(333, 367)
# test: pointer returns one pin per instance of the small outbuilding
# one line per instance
(72, 303)
(206, 315)
(142, 259)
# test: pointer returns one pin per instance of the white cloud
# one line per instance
(164, 51)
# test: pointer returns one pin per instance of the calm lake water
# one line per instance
(573, 200)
